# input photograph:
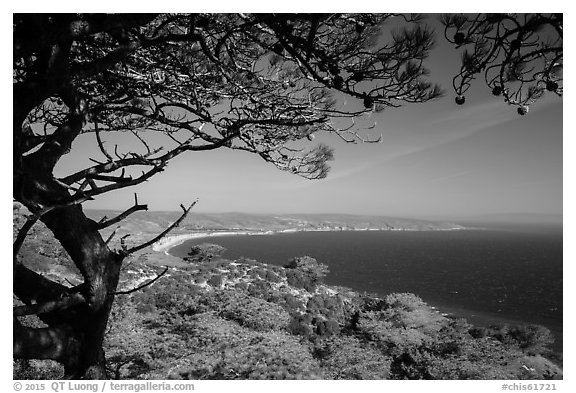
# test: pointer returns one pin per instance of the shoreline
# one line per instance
(484, 318)
(474, 316)
(170, 241)
(165, 244)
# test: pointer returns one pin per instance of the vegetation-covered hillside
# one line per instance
(155, 222)
(210, 318)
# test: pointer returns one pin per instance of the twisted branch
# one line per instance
(106, 223)
(144, 285)
(128, 251)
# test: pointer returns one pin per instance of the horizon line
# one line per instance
(560, 216)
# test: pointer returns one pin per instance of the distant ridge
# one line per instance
(154, 221)
(517, 218)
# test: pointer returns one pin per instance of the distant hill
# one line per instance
(517, 219)
(155, 222)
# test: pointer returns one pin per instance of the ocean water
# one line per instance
(506, 275)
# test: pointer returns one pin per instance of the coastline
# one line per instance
(479, 318)
(166, 243)
(474, 316)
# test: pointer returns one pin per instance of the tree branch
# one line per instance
(100, 143)
(136, 160)
(123, 215)
(102, 64)
(50, 306)
(143, 285)
(112, 179)
(30, 286)
(160, 236)
(33, 288)
(60, 143)
(110, 237)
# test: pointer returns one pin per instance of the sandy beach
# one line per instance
(168, 242)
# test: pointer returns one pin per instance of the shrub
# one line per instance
(346, 357)
(404, 301)
(327, 306)
(292, 303)
(270, 276)
(326, 327)
(533, 339)
(308, 265)
(391, 338)
(535, 367)
(270, 356)
(216, 280)
(254, 313)
(204, 252)
(410, 364)
(225, 350)
(371, 303)
(136, 346)
(478, 332)
(404, 324)
(37, 369)
(260, 288)
(305, 272)
(179, 330)
(301, 325)
(298, 279)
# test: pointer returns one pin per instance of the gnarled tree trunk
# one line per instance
(76, 317)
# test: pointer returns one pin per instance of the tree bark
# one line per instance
(76, 328)
(74, 336)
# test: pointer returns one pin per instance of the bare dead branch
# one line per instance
(96, 161)
(110, 237)
(123, 215)
(98, 190)
(143, 141)
(164, 233)
(100, 143)
(122, 243)
(136, 160)
(143, 285)
(113, 179)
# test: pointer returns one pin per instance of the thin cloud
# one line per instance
(452, 127)
(456, 124)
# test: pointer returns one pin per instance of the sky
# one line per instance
(436, 160)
